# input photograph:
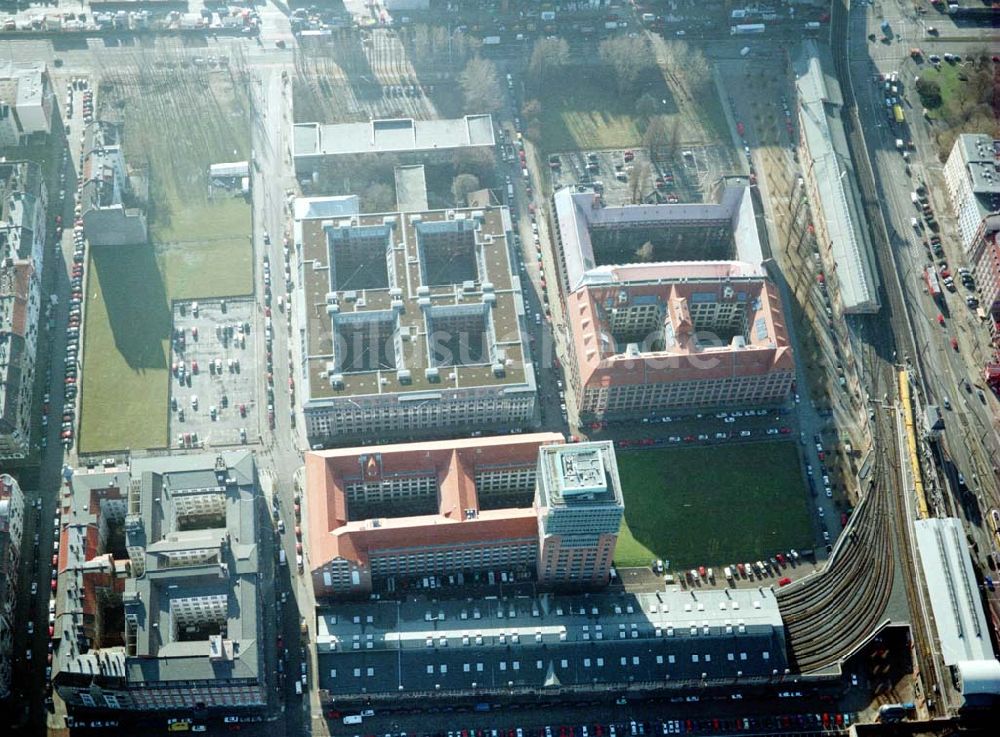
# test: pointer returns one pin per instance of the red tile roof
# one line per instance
(454, 462)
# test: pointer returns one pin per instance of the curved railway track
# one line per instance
(830, 614)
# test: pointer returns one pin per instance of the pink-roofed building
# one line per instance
(414, 510)
(678, 335)
(695, 324)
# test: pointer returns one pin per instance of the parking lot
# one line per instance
(213, 374)
(631, 176)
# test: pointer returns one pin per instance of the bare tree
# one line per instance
(645, 252)
(636, 178)
(378, 197)
(628, 59)
(549, 57)
(481, 86)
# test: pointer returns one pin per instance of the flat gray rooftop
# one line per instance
(385, 647)
(958, 609)
(825, 141)
(392, 135)
(411, 188)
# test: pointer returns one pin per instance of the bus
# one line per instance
(897, 113)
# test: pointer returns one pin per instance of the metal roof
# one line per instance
(830, 168)
(951, 584)
(673, 635)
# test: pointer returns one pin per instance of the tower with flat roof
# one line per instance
(578, 499)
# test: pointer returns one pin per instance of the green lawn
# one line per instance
(947, 78)
(712, 505)
(126, 338)
(589, 114)
(175, 125)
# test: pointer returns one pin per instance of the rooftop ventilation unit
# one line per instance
(432, 374)
(404, 376)
(337, 381)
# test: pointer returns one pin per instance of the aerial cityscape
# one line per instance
(515, 368)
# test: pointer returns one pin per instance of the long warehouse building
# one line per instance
(385, 651)
(831, 183)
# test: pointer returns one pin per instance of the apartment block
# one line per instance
(972, 176)
(578, 498)
(678, 336)
(112, 198)
(659, 314)
(22, 245)
(986, 269)
(26, 102)
(11, 534)
(412, 322)
(461, 507)
(166, 588)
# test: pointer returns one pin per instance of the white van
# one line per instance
(353, 719)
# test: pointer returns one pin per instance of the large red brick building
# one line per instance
(464, 506)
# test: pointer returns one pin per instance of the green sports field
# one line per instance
(712, 505)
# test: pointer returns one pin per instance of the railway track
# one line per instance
(830, 614)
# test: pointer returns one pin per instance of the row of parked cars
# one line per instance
(71, 359)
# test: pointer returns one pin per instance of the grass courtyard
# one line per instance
(713, 505)
(590, 114)
(199, 248)
(129, 318)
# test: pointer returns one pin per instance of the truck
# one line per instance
(745, 51)
(353, 719)
(813, 26)
(611, 25)
(746, 28)
(933, 285)
(482, 706)
(897, 113)
(491, 40)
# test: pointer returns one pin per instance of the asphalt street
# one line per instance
(970, 435)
